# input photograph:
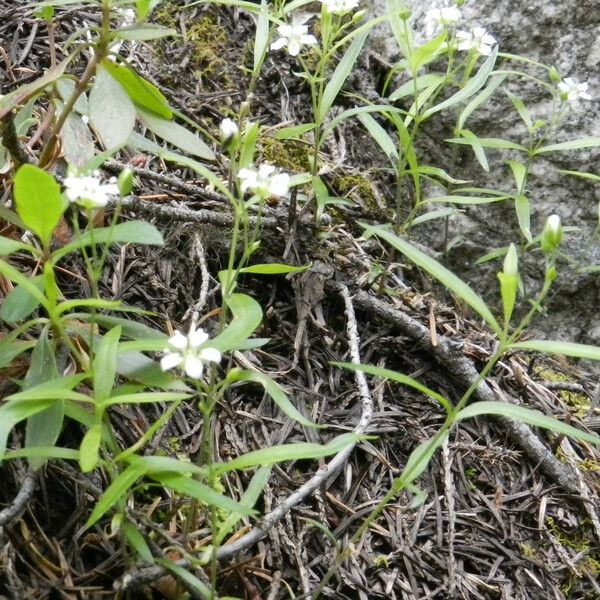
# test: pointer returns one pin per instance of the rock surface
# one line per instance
(565, 34)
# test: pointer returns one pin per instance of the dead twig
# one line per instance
(22, 499)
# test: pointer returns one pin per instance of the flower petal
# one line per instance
(178, 340)
(170, 361)
(193, 366)
(197, 337)
(210, 355)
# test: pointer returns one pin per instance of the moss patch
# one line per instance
(579, 403)
(289, 155)
(203, 50)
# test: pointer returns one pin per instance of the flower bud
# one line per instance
(551, 234)
(125, 181)
(229, 131)
(358, 16)
(553, 75)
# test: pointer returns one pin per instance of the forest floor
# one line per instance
(510, 513)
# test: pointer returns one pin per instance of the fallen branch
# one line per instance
(449, 354)
(22, 499)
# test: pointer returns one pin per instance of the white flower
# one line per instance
(264, 182)
(185, 350)
(478, 39)
(338, 7)
(88, 191)
(446, 15)
(551, 234)
(293, 37)
(228, 130)
(571, 90)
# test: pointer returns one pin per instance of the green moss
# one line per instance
(581, 541)
(289, 155)
(349, 185)
(206, 42)
(579, 403)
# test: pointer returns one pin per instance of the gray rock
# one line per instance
(565, 34)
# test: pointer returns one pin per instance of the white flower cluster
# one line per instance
(293, 37)
(338, 7)
(185, 350)
(264, 182)
(478, 40)
(88, 191)
(572, 91)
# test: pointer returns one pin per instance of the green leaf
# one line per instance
(249, 499)
(273, 269)
(248, 148)
(275, 454)
(43, 428)
(426, 53)
(8, 246)
(431, 215)
(340, 74)
(497, 143)
(524, 215)
(12, 413)
(141, 92)
(144, 398)
(116, 491)
(25, 92)
(521, 109)
(434, 268)
(381, 137)
(519, 171)
(104, 365)
(247, 316)
(420, 83)
(261, 38)
(558, 347)
(287, 133)
(474, 142)
(133, 232)
(578, 144)
(111, 111)
(473, 85)
(139, 466)
(38, 201)
(90, 448)
(77, 141)
(147, 31)
(419, 459)
(199, 491)
(10, 350)
(398, 378)
(136, 540)
(495, 82)
(131, 329)
(583, 174)
(275, 391)
(525, 415)
(136, 366)
(189, 580)
(21, 302)
(175, 134)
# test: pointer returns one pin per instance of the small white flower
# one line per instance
(293, 37)
(87, 190)
(338, 7)
(228, 130)
(446, 15)
(478, 39)
(265, 182)
(185, 351)
(571, 90)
